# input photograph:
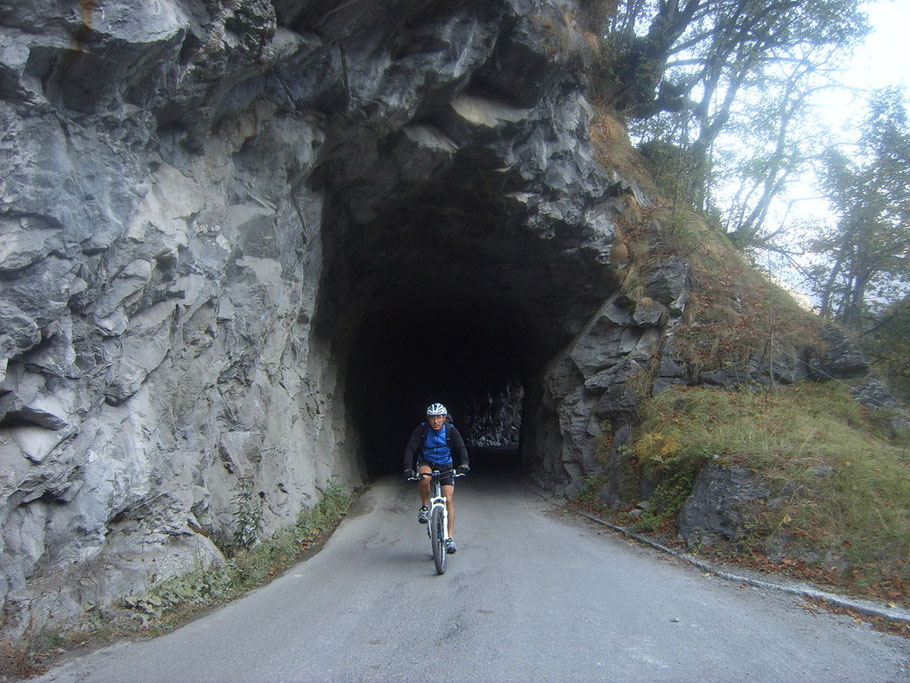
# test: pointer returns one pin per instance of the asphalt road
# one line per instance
(533, 594)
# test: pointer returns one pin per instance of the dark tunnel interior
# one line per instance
(413, 352)
(443, 289)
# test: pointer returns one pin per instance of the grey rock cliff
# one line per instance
(238, 236)
(202, 206)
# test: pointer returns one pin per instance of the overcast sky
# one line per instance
(883, 60)
(885, 57)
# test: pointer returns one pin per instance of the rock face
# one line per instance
(839, 358)
(496, 419)
(254, 239)
(237, 236)
(714, 510)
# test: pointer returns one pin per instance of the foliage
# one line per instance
(769, 140)
(668, 498)
(664, 459)
(200, 587)
(588, 498)
(248, 515)
(887, 344)
(249, 566)
(867, 251)
(692, 74)
(169, 603)
(841, 481)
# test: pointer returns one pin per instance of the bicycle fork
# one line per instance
(438, 500)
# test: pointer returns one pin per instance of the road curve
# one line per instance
(533, 594)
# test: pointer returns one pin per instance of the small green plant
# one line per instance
(248, 515)
(199, 587)
(169, 603)
(603, 443)
(588, 499)
(668, 499)
(666, 458)
(629, 483)
(248, 567)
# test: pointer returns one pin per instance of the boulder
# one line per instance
(668, 283)
(841, 357)
(716, 509)
(873, 394)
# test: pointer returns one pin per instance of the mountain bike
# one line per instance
(438, 527)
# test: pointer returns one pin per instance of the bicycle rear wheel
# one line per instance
(438, 539)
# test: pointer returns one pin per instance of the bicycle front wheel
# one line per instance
(438, 539)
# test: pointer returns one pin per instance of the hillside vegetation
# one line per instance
(839, 507)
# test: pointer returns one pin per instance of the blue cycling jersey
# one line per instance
(435, 449)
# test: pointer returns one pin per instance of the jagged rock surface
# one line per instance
(213, 213)
(715, 510)
(839, 358)
(203, 201)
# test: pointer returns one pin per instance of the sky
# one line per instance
(882, 60)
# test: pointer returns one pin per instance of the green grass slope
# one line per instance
(839, 512)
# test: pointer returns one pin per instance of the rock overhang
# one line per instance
(476, 198)
(244, 225)
(487, 238)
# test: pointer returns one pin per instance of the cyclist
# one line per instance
(432, 446)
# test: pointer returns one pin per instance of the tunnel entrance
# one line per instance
(457, 304)
(453, 271)
(467, 354)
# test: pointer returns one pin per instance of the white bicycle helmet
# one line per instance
(437, 409)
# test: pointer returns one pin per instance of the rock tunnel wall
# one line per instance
(229, 232)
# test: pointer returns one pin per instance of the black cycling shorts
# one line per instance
(447, 477)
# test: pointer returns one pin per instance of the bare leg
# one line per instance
(449, 493)
(423, 485)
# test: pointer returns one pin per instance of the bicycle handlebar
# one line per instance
(435, 474)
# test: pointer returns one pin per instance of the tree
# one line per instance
(696, 54)
(887, 343)
(687, 71)
(769, 140)
(867, 249)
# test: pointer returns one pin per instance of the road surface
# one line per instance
(533, 594)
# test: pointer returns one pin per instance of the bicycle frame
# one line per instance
(438, 526)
